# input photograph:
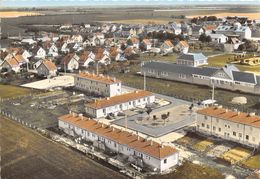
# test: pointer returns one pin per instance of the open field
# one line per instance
(7, 91)
(12, 14)
(253, 162)
(194, 171)
(221, 60)
(225, 14)
(142, 21)
(26, 154)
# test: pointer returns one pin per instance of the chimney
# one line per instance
(113, 129)
(136, 91)
(107, 98)
(226, 110)
(74, 114)
(70, 112)
(151, 142)
(238, 113)
(138, 137)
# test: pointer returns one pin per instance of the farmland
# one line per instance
(225, 14)
(12, 14)
(26, 154)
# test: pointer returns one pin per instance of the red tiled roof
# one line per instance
(119, 99)
(233, 116)
(49, 65)
(140, 144)
(99, 78)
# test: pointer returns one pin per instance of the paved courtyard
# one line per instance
(180, 116)
(59, 81)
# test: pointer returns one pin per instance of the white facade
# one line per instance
(100, 85)
(229, 129)
(104, 142)
(218, 38)
(41, 53)
(118, 107)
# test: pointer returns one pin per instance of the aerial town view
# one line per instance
(153, 89)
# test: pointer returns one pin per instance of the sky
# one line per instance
(53, 3)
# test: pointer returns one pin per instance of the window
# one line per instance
(219, 129)
(165, 161)
(214, 128)
(234, 133)
(237, 125)
(115, 144)
(247, 137)
(240, 135)
(203, 125)
(253, 138)
(205, 117)
(207, 126)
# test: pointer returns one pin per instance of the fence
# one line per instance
(10, 116)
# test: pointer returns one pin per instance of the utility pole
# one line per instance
(126, 121)
(97, 68)
(213, 92)
(65, 68)
(144, 81)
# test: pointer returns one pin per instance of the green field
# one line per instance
(253, 162)
(221, 60)
(7, 91)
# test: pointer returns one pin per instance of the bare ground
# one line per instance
(26, 154)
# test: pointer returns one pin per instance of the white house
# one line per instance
(138, 150)
(53, 51)
(39, 52)
(115, 104)
(11, 64)
(244, 32)
(98, 84)
(230, 125)
(192, 59)
(70, 62)
(86, 58)
(218, 38)
(47, 68)
(182, 47)
(167, 47)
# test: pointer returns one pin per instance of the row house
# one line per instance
(146, 153)
(227, 77)
(119, 103)
(243, 32)
(98, 84)
(236, 126)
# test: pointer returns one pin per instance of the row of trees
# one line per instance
(196, 20)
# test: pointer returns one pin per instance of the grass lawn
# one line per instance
(253, 162)
(221, 60)
(203, 145)
(142, 21)
(7, 91)
(190, 170)
(168, 58)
